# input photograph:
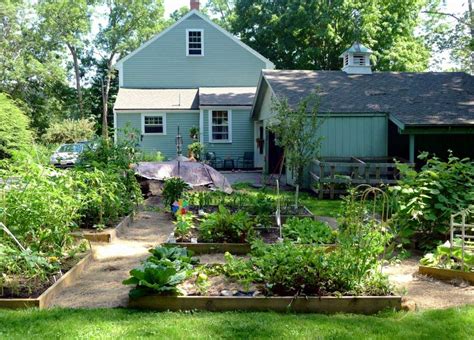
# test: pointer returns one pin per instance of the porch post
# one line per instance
(412, 148)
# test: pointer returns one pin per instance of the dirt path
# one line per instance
(101, 284)
(426, 292)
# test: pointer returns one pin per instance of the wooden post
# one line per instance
(321, 185)
(333, 173)
(412, 148)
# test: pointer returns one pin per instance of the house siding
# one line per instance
(164, 64)
(242, 136)
(166, 144)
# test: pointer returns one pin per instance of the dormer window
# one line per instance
(194, 42)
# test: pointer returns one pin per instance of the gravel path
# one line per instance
(101, 284)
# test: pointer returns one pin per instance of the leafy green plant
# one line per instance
(150, 157)
(162, 272)
(195, 150)
(308, 231)
(183, 225)
(173, 190)
(425, 200)
(224, 226)
(447, 258)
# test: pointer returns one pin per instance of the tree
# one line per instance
(447, 31)
(311, 34)
(296, 129)
(31, 69)
(67, 22)
(224, 10)
(15, 133)
(129, 24)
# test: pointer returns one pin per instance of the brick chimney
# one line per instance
(194, 5)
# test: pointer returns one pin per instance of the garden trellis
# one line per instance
(462, 230)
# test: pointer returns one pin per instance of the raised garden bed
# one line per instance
(302, 211)
(109, 234)
(45, 298)
(323, 304)
(446, 274)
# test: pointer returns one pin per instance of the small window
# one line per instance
(194, 42)
(220, 126)
(346, 60)
(359, 59)
(154, 124)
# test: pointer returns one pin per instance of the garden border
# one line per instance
(446, 274)
(44, 300)
(323, 304)
(109, 234)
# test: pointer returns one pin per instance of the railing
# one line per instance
(334, 175)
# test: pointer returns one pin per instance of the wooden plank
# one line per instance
(446, 274)
(108, 235)
(324, 304)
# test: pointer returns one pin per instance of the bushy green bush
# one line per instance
(15, 133)
(425, 200)
(70, 131)
(173, 190)
(309, 231)
(225, 226)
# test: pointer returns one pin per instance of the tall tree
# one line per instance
(129, 23)
(451, 32)
(67, 22)
(311, 34)
(223, 10)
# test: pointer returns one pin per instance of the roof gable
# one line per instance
(189, 15)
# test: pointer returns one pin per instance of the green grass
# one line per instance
(318, 207)
(456, 323)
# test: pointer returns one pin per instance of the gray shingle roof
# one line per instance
(226, 96)
(157, 99)
(430, 98)
(183, 99)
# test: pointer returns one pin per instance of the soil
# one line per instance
(425, 291)
(268, 235)
(26, 288)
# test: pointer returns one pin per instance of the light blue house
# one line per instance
(195, 74)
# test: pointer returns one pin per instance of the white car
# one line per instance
(68, 154)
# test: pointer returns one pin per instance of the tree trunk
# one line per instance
(77, 73)
(105, 98)
(471, 27)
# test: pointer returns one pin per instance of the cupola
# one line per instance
(356, 60)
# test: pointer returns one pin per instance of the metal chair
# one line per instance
(246, 161)
(214, 161)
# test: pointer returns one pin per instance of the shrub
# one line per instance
(426, 199)
(70, 131)
(14, 128)
(196, 149)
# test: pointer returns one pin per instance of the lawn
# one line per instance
(115, 323)
(319, 207)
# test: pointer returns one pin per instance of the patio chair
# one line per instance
(214, 161)
(245, 162)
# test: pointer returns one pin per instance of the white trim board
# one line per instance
(229, 118)
(163, 115)
(268, 63)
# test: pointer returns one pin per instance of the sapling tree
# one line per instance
(295, 128)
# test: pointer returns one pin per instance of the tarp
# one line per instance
(194, 173)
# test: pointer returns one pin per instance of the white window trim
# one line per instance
(187, 42)
(220, 141)
(163, 115)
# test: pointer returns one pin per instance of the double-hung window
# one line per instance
(154, 124)
(220, 126)
(194, 42)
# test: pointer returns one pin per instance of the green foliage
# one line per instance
(225, 226)
(447, 258)
(70, 131)
(150, 157)
(196, 149)
(313, 34)
(296, 128)
(426, 199)
(308, 231)
(184, 224)
(162, 272)
(173, 190)
(14, 128)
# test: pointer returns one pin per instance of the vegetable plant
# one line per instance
(183, 225)
(173, 190)
(224, 226)
(307, 230)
